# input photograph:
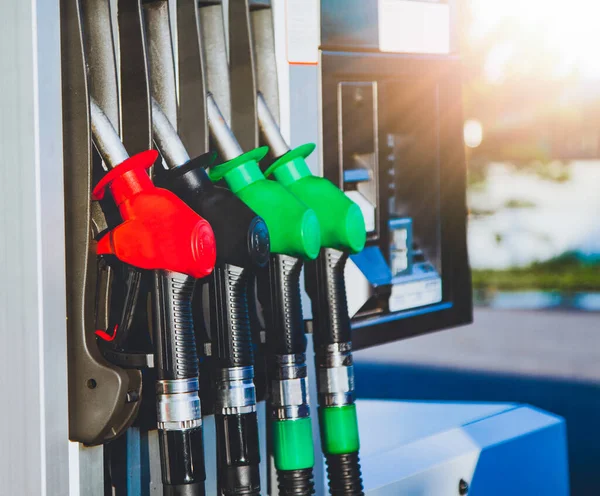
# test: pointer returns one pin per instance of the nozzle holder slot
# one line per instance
(103, 397)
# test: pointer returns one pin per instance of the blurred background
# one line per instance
(532, 131)
(532, 134)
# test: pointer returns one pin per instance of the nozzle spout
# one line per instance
(107, 140)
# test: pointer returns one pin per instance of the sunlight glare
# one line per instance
(565, 29)
(473, 133)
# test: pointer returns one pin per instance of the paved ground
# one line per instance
(538, 343)
(549, 359)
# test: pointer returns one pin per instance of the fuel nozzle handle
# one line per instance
(343, 232)
(241, 235)
(161, 233)
(179, 414)
(341, 220)
(295, 236)
(293, 228)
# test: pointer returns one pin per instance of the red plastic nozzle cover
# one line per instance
(159, 231)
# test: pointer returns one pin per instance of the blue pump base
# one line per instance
(480, 449)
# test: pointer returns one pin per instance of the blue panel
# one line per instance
(350, 24)
(388, 424)
(134, 462)
(357, 175)
(425, 448)
(371, 263)
(524, 453)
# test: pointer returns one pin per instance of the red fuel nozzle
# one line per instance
(159, 231)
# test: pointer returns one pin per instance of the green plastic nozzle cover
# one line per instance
(293, 227)
(342, 222)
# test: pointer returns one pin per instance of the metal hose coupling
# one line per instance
(178, 404)
(335, 374)
(338, 420)
(236, 393)
(236, 424)
(289, 388)
(180, 436)
(291, 425)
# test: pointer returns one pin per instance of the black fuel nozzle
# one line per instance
(150, 216)
(242, 236)
(243, 245)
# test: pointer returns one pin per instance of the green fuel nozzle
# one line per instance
(341, 220)
(342, 233)
(295, 235)
(293, 226)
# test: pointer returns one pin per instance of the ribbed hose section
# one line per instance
(238, 455)
(296, 482)
(279, 294)
(344, 475)
(324, 281)
(178, 405)
(241, 334)
(175, 341)
(230, 319)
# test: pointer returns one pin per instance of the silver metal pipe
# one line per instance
(214, 43)
(107, 140)
(269, 128)
(161, 57)
(166, 138)
(226, 142)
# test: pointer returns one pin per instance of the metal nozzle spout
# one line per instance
(166, 138)
(107, 140)
(221, 132)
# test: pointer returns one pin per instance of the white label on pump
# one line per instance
(408, 26)
(367, 209)
(415, 294)
(303, 22)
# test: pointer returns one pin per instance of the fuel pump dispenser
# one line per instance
(187, 316)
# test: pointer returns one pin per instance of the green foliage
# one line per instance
(566, 273)
(519, 203)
